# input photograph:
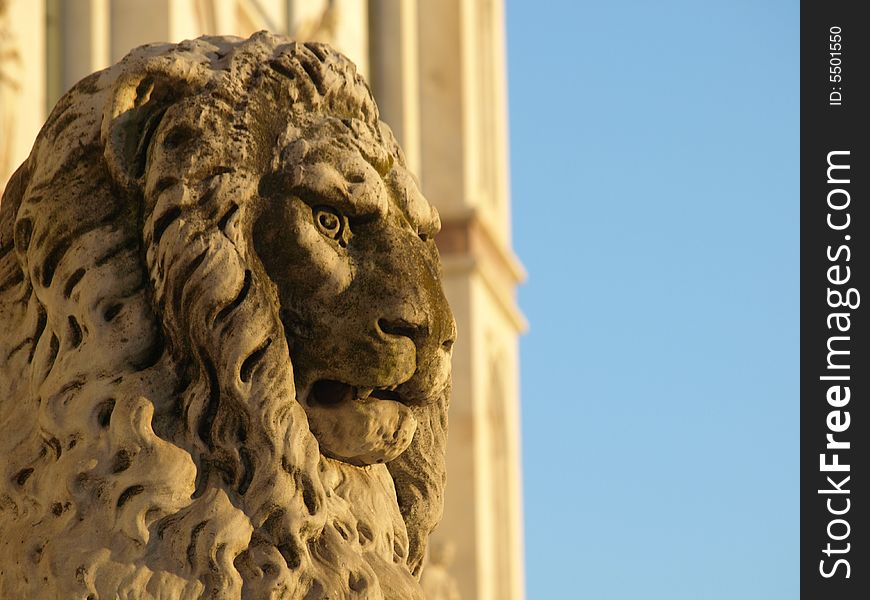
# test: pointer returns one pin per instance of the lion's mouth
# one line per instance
(359, 425)
(329, 392)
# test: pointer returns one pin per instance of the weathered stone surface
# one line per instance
(225, 350)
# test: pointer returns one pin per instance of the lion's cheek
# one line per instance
(363, 433)
(297, 257)
(332, 270)
(320, 259)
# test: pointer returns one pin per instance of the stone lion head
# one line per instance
(225, 359)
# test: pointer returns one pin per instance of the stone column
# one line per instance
(22, 80)
(84, 39)
(393, 39)
(464, 173)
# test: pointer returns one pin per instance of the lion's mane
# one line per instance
(152, 444)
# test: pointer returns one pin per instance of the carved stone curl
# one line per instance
(225, 349)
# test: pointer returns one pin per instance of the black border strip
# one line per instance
(835, 374)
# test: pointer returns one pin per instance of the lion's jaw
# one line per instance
(370, 338)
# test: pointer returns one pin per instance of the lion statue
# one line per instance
(225, 349)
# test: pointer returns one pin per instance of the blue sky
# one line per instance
(654, 173)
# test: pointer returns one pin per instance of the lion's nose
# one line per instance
(416, 331)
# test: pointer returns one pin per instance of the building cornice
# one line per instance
(467, 243)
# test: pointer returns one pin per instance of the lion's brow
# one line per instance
(414, 205)
(322, 181)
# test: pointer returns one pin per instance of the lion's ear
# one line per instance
(132, 116)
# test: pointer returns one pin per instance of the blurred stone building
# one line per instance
(437, 68)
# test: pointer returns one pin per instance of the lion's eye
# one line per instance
(328, 221)
(332, 224)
